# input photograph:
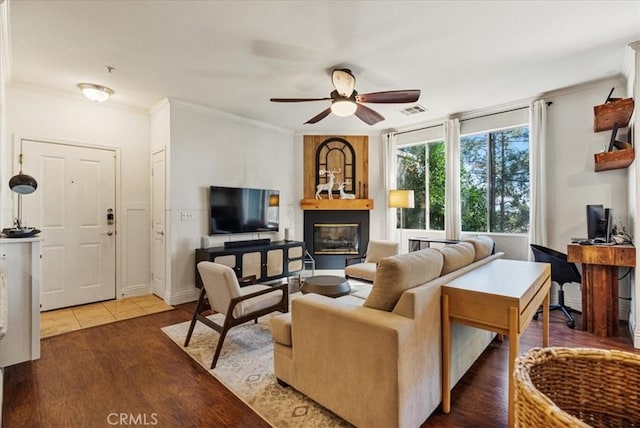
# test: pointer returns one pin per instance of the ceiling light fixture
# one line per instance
(343, 107)
(97, 93)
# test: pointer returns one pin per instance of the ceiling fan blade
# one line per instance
(319, 116)
(297, 100)
(367, 115)
(405, 96)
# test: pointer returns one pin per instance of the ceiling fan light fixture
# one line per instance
(97, 93)
(343, 108)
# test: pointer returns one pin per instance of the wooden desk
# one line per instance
(501, 296)
(600, 284)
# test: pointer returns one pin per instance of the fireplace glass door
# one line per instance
(336, 238)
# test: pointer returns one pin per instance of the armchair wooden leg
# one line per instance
(219, 348)
(195, 317)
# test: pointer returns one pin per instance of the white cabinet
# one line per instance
(20, 266)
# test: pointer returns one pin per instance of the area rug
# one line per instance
(245, 367)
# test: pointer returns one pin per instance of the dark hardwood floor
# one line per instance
(89, 378)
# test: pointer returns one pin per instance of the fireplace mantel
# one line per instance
(336, 204)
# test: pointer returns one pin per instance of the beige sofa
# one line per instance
(374, 357)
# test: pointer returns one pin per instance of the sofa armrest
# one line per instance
(350, 260)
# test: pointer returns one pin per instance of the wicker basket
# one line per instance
(577, 387)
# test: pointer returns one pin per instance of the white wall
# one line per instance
(47, 116)
(571, 180)
(214, 148)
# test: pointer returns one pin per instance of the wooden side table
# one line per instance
(600, 284)
(501, 296)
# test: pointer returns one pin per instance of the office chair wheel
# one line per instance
(535, 317)
(571, 324)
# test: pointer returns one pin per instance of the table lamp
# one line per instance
(22, 184)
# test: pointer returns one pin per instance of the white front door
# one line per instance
(76, 190)
(157, 224)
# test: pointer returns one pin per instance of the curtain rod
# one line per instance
(548, 103)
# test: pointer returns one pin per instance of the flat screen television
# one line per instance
(243, 210)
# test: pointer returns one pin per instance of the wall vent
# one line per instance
(416, 109)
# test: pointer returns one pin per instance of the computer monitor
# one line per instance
(599, 220)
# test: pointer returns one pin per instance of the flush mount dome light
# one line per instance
(95, 92)
(343, 108)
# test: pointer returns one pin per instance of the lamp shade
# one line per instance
(401, 199)
(274, 200)
(343, 108)
(23, 184)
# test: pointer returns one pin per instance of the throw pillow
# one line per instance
(396, 274)
(456, 256)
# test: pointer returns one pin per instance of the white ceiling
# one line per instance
(235, 55)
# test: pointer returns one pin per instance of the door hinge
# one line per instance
(152, 172)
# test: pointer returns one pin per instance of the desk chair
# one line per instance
(222, 293)
(562, 272)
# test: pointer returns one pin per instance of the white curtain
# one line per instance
(537, 144)
(390, 166)
(452, 217)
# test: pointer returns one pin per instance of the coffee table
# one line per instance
(327, 285)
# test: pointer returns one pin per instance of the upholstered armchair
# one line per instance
(222, 293)
(364, 267)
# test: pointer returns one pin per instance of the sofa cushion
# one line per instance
(379, 249)
(482, 245)
(361, 270)
(402, 272)
(456, 256)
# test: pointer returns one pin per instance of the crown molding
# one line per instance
(157, 106)
(230, 116)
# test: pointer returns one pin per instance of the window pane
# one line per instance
(473, 182)
(494, 181)
(436, 185)
(510, 181)
(411, 176)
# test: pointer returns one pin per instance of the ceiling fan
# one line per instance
(346, 101)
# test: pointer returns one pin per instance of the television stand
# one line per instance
(267, 261)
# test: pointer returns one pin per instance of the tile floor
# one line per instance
(75, 318)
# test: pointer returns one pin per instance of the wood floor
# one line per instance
(131, 370)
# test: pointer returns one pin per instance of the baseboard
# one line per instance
(181, 297)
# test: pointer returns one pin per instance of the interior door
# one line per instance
(158, 194)
(76, 190)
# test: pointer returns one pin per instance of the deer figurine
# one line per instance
(341, 189)
(328, 186)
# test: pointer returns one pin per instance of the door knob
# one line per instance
(160, 233)
(109, 233)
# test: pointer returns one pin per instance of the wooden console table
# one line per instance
(600, 284)
(501, 296)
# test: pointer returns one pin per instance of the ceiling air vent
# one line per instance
(416, 109)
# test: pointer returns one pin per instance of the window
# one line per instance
(421, 169)
(494, 181)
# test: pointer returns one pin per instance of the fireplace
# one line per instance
(331, 236)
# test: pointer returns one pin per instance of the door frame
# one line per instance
(17, 149)
(166, 252)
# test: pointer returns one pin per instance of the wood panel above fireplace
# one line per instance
(336, 204)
